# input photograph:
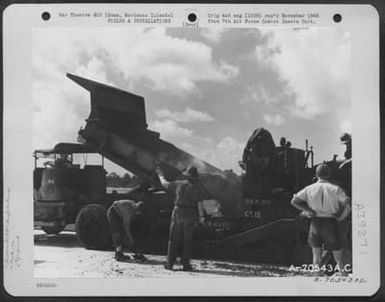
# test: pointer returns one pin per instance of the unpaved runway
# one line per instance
(61, 256)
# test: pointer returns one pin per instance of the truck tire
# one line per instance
(52, 230)
(92, 227)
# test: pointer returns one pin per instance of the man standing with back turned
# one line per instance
(184, 216)
(326, 204)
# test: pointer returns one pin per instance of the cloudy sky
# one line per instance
(206, 89)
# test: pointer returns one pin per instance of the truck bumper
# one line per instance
(49, 214)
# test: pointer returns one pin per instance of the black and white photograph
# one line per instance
(155, 146)
(218, 149)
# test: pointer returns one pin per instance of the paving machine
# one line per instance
(248, 218)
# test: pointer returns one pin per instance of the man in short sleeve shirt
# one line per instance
(184, 216)
(326, 204)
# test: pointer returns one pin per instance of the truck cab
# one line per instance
(63, 183)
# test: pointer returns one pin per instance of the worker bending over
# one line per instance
(124, 216)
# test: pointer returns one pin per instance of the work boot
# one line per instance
(140, 257)
(119, 256)
(187, 267)
(168, 266)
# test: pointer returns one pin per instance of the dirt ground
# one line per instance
(62, 256)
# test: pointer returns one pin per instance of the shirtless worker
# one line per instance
(326, 204)
(184, 217)
(124, 216)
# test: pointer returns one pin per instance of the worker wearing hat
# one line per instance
(346, 139)
(326, 204)
(188, 192)
(126, 218)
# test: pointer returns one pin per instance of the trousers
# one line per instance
(181, 235)
(116, 227)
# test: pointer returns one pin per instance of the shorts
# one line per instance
(325, 231)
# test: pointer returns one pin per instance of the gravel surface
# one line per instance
(61, 256)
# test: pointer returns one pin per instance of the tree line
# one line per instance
(117, 181)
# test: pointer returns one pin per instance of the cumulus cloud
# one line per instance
(259, 94)
(292, 75)
(167, 123)
(123, 57)
(315, 63)
(170, 130)
(265, 53)
(275, 120)
(168, 64)
(188, 115)
(213, 34)
(225, 154)
(346, 126)
(94, 69)
(58, 114)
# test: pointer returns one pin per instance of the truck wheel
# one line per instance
(52, 230)
(92, 227)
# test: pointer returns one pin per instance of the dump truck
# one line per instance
(252, 220)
